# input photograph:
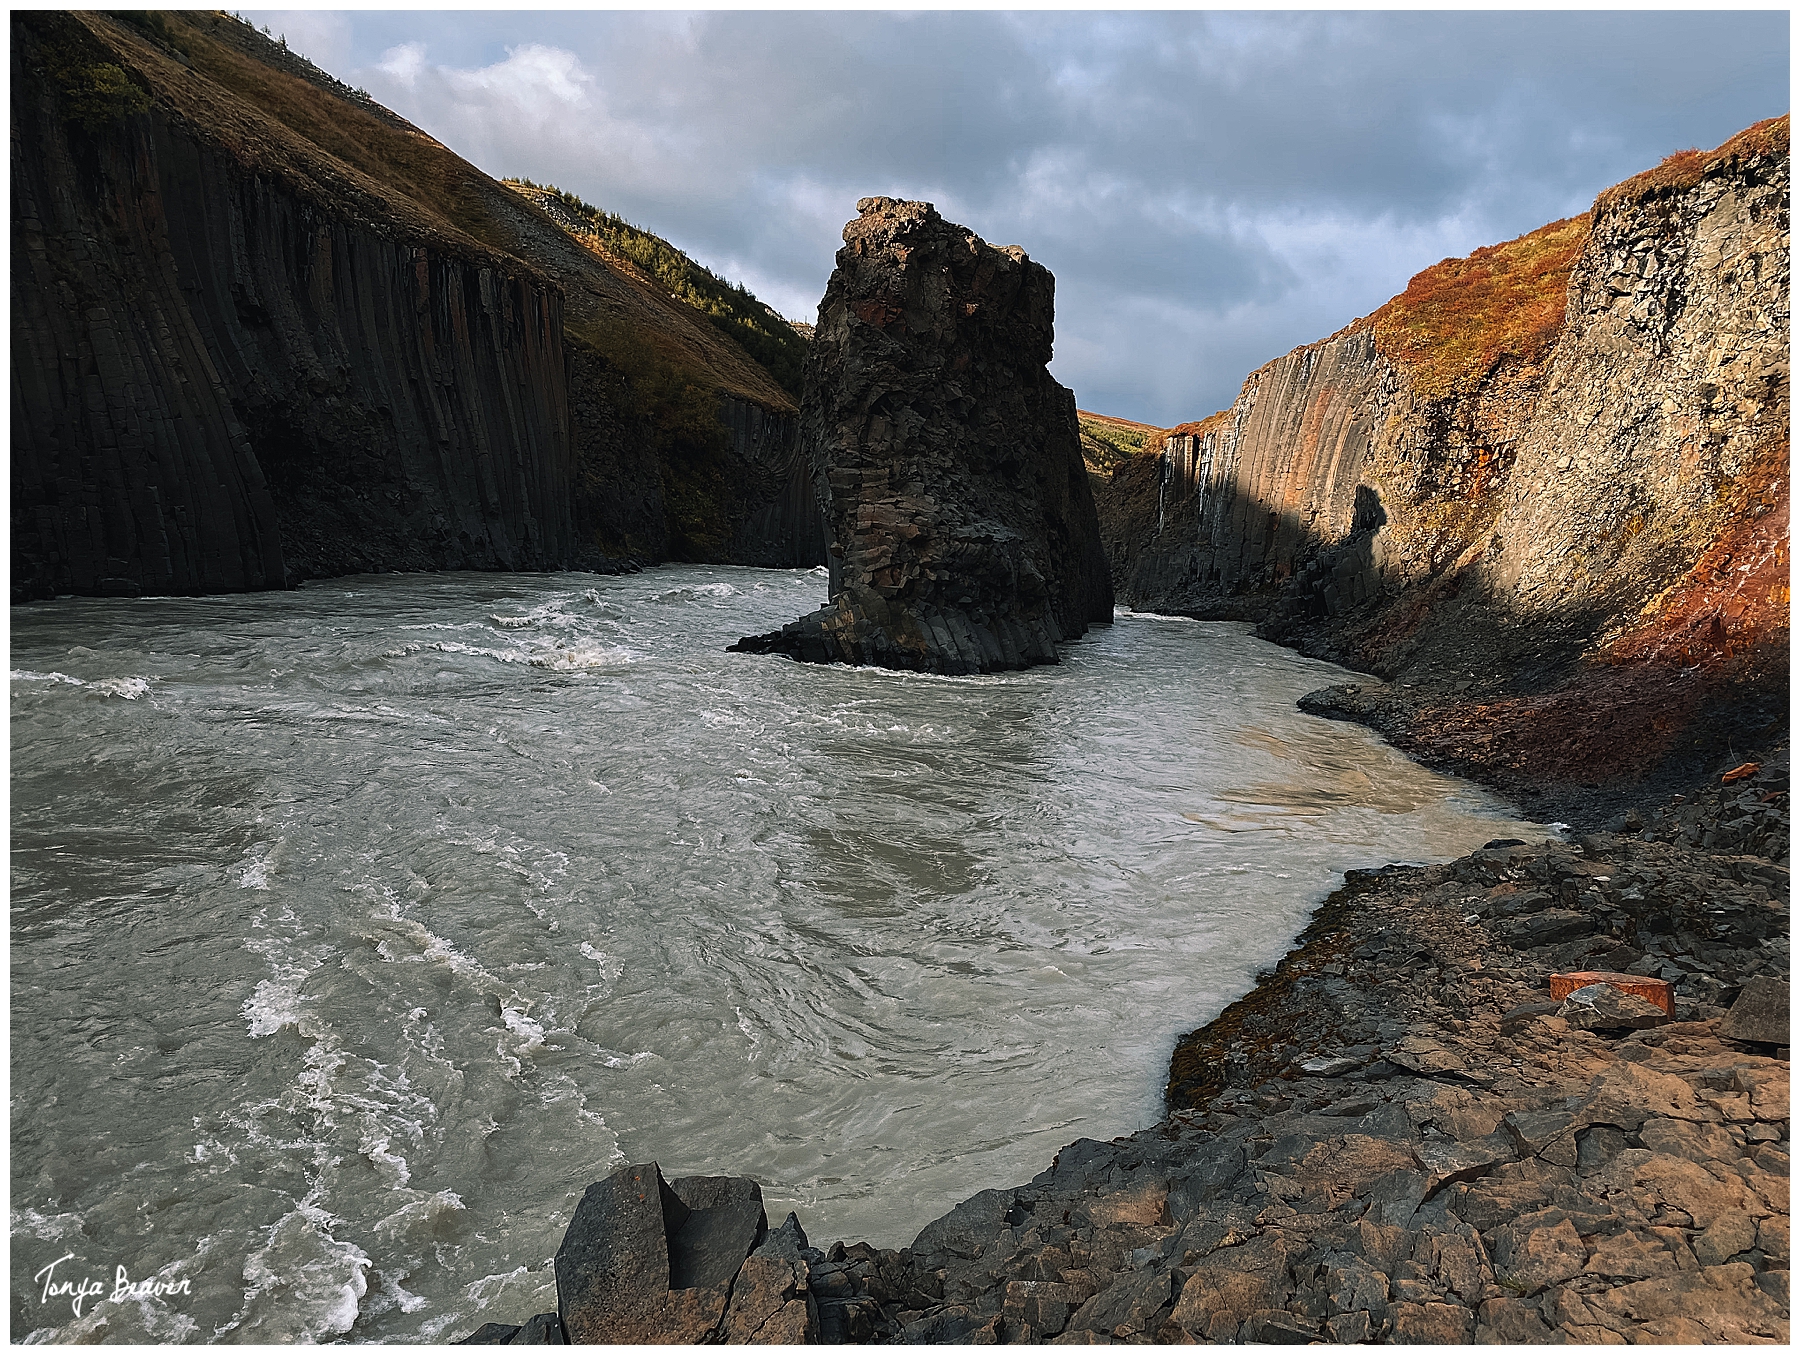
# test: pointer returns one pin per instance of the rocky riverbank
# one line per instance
(1398, 1135)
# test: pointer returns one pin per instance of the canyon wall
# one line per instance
(783, 526)
(266, 330)
(219, 384)
(684, 447)
(1560, 430)
(1222, 514)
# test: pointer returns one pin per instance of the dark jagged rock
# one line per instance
(725, 1222)
(647, 1261)
(545, 1329)
(962, 526)
(771, 1301)
(612, 1269)
(492, 1334)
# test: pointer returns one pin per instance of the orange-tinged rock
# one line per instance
(1651, 990)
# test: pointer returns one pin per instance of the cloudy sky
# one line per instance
(1210, 189)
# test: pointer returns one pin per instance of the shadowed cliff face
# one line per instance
(684, 447)
(963, 535)
(265, 330)
(219, 386)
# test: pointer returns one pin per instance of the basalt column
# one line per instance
(963, 537)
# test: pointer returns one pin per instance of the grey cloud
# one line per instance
(1211, 188)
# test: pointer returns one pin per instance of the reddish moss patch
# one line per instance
(1732, 606)
(1684, 169)
(1458, 319)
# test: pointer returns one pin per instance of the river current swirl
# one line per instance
(356, 929)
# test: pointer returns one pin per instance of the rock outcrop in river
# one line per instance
(962, 526)
(265, 330)
(1533, 488)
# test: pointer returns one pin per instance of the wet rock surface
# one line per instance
(962, 526)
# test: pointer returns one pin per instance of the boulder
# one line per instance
(1128, 1307)
(771, 1300)
(963, 537)
(725, 1222)
(644, 1262)
(1600, 1006)
(1760, 1014)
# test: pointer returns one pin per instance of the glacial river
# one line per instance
(356, 929)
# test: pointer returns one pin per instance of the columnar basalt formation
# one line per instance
(220, 383)
(963, 537)
(1556, 470)
(1579, 462)
(657, 475)
(266, 330)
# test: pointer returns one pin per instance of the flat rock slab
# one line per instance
(1600, 1006)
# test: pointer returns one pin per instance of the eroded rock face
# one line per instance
(1355, 489)
(962, 528)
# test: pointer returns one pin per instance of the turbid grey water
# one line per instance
(356, 929)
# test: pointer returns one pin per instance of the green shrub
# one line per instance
(765, 336)
(95, 91)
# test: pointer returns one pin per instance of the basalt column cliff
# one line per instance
(963, 532)
(265, 329)
(1546, 489)
(232, 369)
